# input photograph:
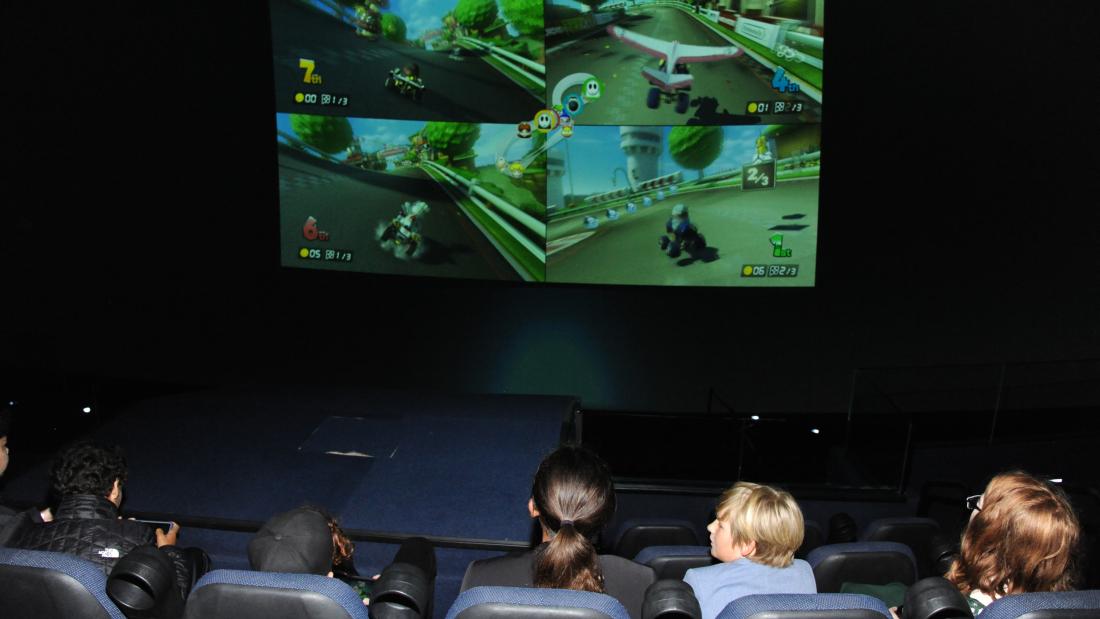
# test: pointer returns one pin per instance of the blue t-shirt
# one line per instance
(716, 586)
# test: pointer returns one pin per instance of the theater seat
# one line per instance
(916, 533)
(526, 603)
(935, 598)
(871, 563)
(813, 536)
(806, 606)
(674, 561)
(636, 534)
(237, 594)
(670, 599)
(1061, 605)
(36, 584)
(143, 585)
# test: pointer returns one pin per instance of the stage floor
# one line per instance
(454, 466)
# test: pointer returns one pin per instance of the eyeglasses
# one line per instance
(972, 502)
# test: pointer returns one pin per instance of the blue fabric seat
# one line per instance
(674, 561)
(36, 584)
(1060, 605)
(239, 594)
(871, 563)
(812, 537)
(639, 533)
(806, 606)
(530, 603)
(916, 533)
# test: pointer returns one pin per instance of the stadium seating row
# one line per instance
(44, 584)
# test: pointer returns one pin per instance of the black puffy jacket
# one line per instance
(12, 522)
(88, 527)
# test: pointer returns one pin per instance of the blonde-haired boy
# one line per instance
(756, 533)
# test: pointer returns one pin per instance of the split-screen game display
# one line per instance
(645, 143)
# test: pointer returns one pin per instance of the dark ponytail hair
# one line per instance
(575, 498)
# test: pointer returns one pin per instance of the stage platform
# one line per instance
(395, 463)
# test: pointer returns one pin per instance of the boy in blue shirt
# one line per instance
(756, 533)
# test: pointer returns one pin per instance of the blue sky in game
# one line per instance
(594, 153)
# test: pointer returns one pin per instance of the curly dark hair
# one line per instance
(88, 468)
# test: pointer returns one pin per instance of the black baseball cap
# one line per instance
(295, 542)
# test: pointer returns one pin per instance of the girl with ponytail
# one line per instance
(572, 498)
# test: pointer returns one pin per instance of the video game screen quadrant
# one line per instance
(667, 143)
(406, 197)
(453, 60)
(691, 206)
(701, 63)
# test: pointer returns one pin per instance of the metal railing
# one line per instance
(506, 215)
(512, 60)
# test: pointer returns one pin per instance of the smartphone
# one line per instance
(164, 525)
(361, 584)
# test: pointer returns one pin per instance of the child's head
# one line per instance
(573, 497)
(757, 522)
(1021, 538)
(306, 540)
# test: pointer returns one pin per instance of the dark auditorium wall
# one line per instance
(959, 225)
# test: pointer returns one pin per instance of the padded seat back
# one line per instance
(238, 594)
(636, 534)
(530, 603)
(36, 584)
(916, 533)
(1060, 605)
(674, 561)
(806, 606)
(870, 563)
(813, 536)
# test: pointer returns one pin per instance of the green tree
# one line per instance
(393, 27)
(524, 15)
(476, 14)
(328, 134)
(451, 139)
(695, 148)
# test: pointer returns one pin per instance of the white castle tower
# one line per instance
(642, 147)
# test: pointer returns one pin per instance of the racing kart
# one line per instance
(408, 85)
(689, 240)
(677, 95)
(401, 234)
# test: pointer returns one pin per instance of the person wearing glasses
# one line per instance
(1022, 538)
